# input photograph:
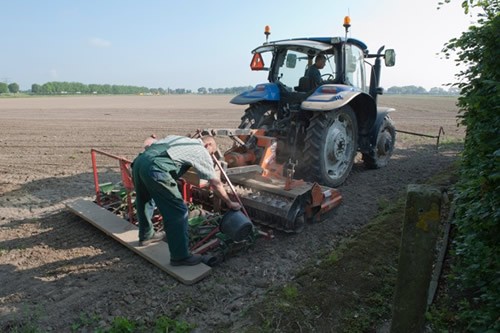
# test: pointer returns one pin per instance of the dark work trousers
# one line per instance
(154, 175)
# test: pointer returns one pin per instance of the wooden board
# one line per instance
(127, 234)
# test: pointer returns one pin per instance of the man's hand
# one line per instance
(235, 205)
(216, 185)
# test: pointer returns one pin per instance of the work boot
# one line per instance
(157, 237)
(192, 260)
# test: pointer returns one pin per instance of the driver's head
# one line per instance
(320, 61)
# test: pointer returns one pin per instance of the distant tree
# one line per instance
(106, 89)
(36, 88)
(47, 88)
(407, 90)
(94, 89)
(202, 90)
(420, 90)
(3, 88)
(438, 91)
(13, 88)
(394, 90)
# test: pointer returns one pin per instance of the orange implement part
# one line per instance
(332, 199)
(235, 159)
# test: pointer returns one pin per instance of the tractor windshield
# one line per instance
(293, 66)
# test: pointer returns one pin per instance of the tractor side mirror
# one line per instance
(390, 57)
(291, 60)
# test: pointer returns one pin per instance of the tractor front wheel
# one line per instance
(330, 146)
(381, 153)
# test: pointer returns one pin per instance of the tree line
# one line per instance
(72, 88)
(414, 90)
(12, 88)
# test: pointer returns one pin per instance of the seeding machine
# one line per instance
(267, 191)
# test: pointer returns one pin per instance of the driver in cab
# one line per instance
(313, 72)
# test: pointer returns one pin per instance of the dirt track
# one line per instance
(54, 266)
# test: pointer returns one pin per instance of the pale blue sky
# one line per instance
(191, 44)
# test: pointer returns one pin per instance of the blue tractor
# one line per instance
(321, 129)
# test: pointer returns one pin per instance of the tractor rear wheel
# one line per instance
(330, 146)
(386, 138)
(257, 116)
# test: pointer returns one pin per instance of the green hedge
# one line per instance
(476, 272)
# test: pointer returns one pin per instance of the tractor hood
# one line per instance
(262, 92)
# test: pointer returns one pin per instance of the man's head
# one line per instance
(320, 61)
(149, 141)
(209, 143)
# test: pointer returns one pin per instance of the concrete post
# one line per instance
(418, 241)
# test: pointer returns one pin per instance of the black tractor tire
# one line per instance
(382, 152)
(259, 115)
(330, 146)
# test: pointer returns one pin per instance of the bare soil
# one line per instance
(56, 269)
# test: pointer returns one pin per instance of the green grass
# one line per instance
(349, 291)
(91, 322)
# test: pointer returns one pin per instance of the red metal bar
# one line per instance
(206, 247)
(129, 186)
(125, 175)
(96, 177)
(210, 234)
(110, 155)
(185, 190)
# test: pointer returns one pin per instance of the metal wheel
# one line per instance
(331, 145)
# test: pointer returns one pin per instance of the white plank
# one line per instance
(127, 234)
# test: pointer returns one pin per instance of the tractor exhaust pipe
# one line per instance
(375, 77)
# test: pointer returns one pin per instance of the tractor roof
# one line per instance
(318, 44)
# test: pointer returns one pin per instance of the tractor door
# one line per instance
(355, 68)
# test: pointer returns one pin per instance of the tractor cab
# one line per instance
(290, 59)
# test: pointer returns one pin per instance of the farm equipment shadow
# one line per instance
(53, 190)
(57, 265)
(406, 158)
